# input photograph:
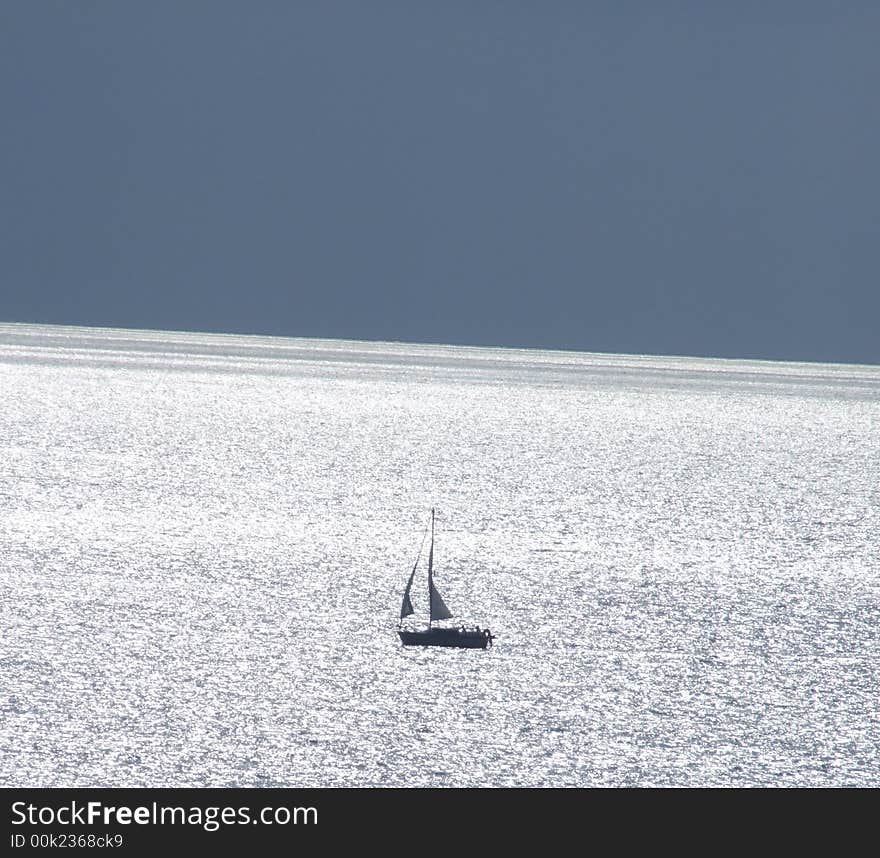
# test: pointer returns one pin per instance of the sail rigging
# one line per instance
(445, 636)
(437, 607)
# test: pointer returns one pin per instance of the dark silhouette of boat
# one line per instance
(463, 637)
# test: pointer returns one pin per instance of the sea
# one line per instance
(204, 542)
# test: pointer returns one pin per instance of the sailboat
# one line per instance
(457, 636)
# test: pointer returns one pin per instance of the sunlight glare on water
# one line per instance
(204, 541)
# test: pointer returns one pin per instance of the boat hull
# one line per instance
(459, 638)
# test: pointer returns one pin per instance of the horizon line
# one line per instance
(416, 343)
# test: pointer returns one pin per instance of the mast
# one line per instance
(431, 574)
(437, 609)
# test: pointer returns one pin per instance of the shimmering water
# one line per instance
(204, 541)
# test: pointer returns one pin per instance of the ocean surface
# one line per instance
(204, 541)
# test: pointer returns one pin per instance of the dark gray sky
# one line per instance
(667, 178)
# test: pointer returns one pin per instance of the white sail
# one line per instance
(439, 611)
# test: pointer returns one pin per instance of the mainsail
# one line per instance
(439, 611)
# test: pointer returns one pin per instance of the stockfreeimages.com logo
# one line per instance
(209, 818)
